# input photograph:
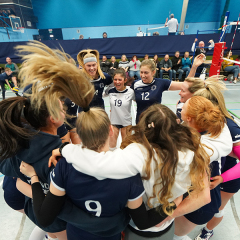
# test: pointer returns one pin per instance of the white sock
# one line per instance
(185, 237)
(52, 238)
(208, 230)
(112, 149)
(37, 234)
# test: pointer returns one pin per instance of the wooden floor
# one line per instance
(16, 226)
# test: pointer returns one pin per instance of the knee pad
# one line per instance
(219, 214)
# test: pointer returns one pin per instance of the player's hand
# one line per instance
(198, 60)
(215, 181)
(210, 41)
(54, 158)
(195, 40)
(27, 169)
(166, 19)
(162, 222)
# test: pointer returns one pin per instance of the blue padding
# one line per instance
(129, 46)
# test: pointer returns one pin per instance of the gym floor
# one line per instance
(16, 226)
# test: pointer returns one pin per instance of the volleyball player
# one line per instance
(201, 114)
(89, 61)
(120, 98)
(213, 92)
(149, 89)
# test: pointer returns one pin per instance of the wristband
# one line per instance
(62, 146)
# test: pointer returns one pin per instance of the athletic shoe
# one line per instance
(235, 81)
(204, 235)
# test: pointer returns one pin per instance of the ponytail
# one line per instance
(207, 116)
(13, 127)
(52, 75)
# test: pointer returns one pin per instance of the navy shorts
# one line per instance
(12, 196)
(231, 186)
(206, 213)
(118, 126)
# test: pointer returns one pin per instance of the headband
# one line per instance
(89, 59)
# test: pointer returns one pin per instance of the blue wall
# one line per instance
(17, 36)
(91, 13)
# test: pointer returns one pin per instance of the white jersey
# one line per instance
(172, 25)
(120, 103)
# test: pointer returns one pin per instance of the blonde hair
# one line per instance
(124, 56)
(52, 75)
(213, 91)
(87, 53)
(149, 63)
(207, 117)
(93, 128)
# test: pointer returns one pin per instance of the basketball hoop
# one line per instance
(20, 29)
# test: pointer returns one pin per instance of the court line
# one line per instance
(235, 212)
(21, 227)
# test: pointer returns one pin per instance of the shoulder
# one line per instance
(234, 130)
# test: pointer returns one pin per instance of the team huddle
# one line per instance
(81, 186)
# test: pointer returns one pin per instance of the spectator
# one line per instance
(81, 37)
(201, 49)
(172, 25)
(166, 67)
(134, 65)
(146, 57)
(176, 66)
(238, 60)
(113, 65)
(124, 63)
(104, 35)
(105, 64)
(229, 67)
(14, 68)
(186, 63)
(156, 34)
(155, 59)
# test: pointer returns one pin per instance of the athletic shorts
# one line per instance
(206, 213)
(231, 186)
(118, 126)
(12, 196)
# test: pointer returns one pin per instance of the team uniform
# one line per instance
(149, 94)
(72, 110)
(123, 163)
(99, 85)
(229, 162)
(120, 103)
(101, 198)
(179, 110)
(221, 146)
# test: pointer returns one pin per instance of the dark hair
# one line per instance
(121, 72)
(18, 120)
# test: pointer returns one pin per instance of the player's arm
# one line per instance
(198, 60)
(144, 218)
(194, 201)
(46, 208)
(24, 188)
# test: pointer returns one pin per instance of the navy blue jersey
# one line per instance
(99, 85)
(4, 76)
(72, 110)
(229, 162)
(100, 198)
(148, 94)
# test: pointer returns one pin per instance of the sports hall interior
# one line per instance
(129, 26)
